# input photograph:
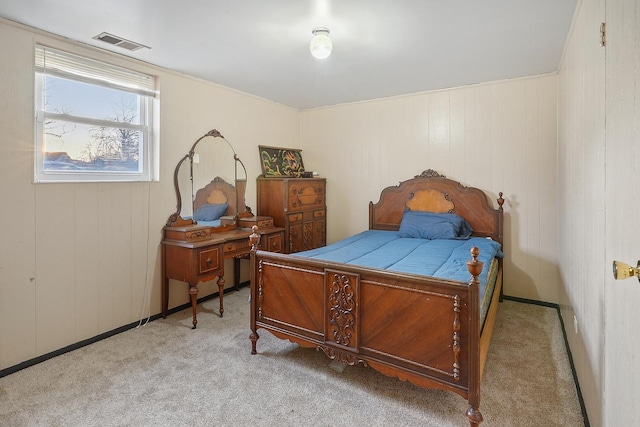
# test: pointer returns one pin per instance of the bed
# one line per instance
(395, 318)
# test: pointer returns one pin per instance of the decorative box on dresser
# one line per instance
(299, 206)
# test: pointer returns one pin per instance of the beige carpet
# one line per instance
(165, 374)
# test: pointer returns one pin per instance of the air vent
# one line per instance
(119, 41)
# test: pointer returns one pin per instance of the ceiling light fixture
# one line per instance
(320, 45)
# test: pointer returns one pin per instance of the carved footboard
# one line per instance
(415, 328)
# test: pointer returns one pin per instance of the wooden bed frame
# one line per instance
(421, 329)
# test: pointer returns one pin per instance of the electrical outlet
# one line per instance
(575, 323)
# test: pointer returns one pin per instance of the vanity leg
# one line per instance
(165, 284)
(236, 274)
(165, 296)
(193, 293)
(221, 293)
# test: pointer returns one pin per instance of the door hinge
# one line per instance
(603, 34)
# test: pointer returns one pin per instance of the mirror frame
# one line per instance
(241, 209)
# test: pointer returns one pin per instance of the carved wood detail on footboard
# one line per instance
(342, 298)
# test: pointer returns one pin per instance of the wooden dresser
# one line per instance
(299, 206)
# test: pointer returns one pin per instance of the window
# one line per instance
(93, 120)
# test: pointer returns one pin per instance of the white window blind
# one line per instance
(66, 65)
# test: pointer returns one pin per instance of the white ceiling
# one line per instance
(381, 48)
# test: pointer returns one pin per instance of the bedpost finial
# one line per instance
(474, 266)
(500, 200)
(254, 238)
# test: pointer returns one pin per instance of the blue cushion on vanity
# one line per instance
(209, 212)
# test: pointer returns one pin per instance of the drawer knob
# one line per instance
(209, 261)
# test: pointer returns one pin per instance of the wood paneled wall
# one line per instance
(78, 260)
(496, 136)
(581, 190)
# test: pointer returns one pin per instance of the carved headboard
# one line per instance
(433, 192)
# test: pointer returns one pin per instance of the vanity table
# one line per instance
(196, 240)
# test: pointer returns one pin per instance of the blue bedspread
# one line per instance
(442, 258)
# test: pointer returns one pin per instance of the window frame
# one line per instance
(57, 63)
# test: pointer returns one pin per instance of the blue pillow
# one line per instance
(208, 212)
(429, 225)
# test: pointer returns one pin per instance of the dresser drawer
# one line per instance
(306, 195)
(319, 214)
(236, 247)
(272, 242)
(295, 217)
(260, 221)
(209, 260)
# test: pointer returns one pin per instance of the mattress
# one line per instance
(441, 258)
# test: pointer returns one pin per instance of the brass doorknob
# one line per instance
(624, 271)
